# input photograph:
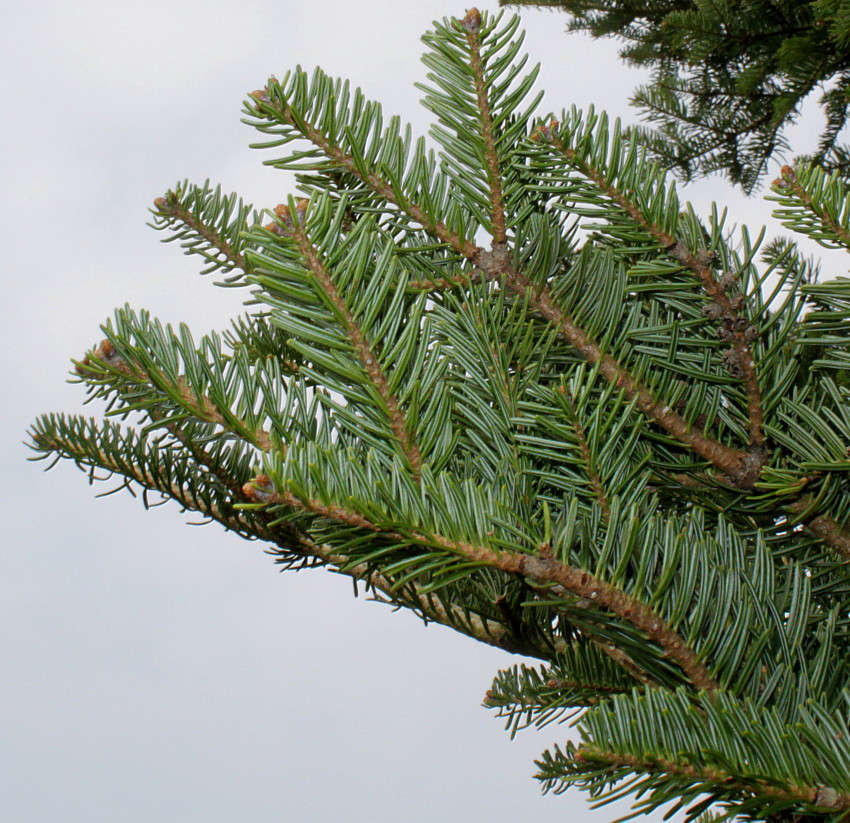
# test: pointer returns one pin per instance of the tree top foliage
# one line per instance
(729, 77)
(514, 384)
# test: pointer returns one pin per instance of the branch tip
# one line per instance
(472, 21)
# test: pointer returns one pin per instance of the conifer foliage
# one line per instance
(729, 77)
(513, 384)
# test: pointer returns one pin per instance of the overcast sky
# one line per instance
(154, 671)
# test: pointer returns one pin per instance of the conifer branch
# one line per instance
(266, 527)
(472, 25)
(378, 184)
(727, 308)
(367, 358)
(821, 797)
(826, 528)
(822, 526)
(170, 211)
(690, 617)
(537, 699)
(199, 406)
(743, 468)
(492, 632)
(625, 662)
(541, 569)
(587, 458)
(482, 629)
(788, 183)
(287, 538)
(132, 471)
(562, 685)
(738, 465)
(201, 456)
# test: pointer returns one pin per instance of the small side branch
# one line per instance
(369, 361)
(374, 181)
(589, 463)
(822, 797)
(200, 407)
(171, 208)
(133, 472)
(472, 25)
(788, 182)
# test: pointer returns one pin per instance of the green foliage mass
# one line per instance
(507, 379)
(729, 77)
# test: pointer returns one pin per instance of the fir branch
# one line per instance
(698, 263)
(541, 569)
(826, 528)
(263, 525)
(823, 526)
(208, 224)
(738, 465)
(110, 361)
(717, 782)
(559, 684)
(472, 26)
(741, 467)
(587, 457)
(202, 457)
(428, 448)
(625, 661)
(64, 441)
(369, 361)
(170, 207)
(536, 696)
(375, 182)
(815, 194)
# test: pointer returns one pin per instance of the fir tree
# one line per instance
(729, 77)
(518, 387)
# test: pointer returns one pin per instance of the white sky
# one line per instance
(154, 671)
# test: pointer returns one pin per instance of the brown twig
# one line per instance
(824, 527)
(441, 283)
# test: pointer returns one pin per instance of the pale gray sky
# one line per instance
(154, 671)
